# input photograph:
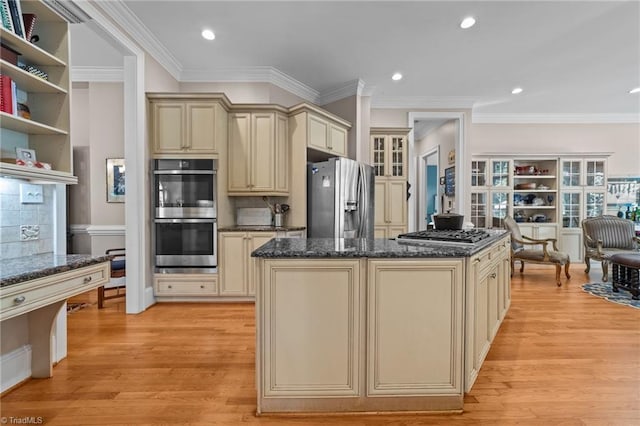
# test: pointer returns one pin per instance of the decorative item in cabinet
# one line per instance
(47, 129)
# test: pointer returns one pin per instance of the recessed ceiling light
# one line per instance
(208, 35)
(397, 76)
(517, 90)
(636, 90)
(467, 22)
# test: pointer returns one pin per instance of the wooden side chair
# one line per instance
(527, 249)
(118, 270)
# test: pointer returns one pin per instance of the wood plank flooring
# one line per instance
(561, 357)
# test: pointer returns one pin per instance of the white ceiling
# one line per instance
(571, 57)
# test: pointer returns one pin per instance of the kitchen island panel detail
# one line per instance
(315, 357)
(408, 355)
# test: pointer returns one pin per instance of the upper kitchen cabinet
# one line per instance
(319, 130)
(389, 151)
(40, 74)
(258, 152)
(187, 125)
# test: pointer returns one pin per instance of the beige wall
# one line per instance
(245, 93)
(156, 78)
(622, 140)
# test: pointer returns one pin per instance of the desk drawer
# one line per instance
(20, 298)
(186, 286)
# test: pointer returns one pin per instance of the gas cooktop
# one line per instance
(468, 236)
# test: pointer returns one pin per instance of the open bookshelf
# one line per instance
(47, 129)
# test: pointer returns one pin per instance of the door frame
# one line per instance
(422, 170)
(460, 153)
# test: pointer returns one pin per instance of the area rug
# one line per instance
(74, 307)
(604, 290)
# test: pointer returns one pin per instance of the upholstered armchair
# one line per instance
(604, 236)
(531, 250)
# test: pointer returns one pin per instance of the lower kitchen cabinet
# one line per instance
(488, 298)
(539, 231)
(236, 267)
(390, 215)
(185, 285)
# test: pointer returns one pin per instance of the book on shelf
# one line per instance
(7, 22)
(16, 17)
(9, 54)
(6, 94)
(29, 20)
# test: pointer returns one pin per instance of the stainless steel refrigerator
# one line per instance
(340, 199)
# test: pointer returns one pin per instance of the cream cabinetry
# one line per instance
(319, 130)
(406, 293)
(389, 152)
(539, 231)
(188, 125)
(390, 215)
(185, 285)
(258, 153)
(389, 160)
(488, 296)
(41, 300)
(582, 195)
(47, 130)
(327, 136)
(236, 267)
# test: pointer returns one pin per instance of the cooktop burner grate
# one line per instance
(453, 236)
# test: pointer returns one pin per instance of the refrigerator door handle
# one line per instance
(364, 202)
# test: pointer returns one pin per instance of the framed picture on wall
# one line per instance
(115, 180)
(623, 191)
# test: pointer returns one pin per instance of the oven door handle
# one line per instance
(184, 172)
(190, 220)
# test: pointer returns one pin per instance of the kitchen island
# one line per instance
(363, 325)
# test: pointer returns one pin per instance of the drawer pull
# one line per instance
(494, 275)
(87, 279)
(476, 261)
(19, 300)
(201, 286)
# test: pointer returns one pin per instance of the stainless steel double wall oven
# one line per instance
(185, 224)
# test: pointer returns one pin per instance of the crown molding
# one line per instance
(351, 88)
(413, 102)
(252, 75)
(479, 118)
(97, 74)
(123, 16)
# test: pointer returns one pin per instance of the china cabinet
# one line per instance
(46, 128)
(582, 195)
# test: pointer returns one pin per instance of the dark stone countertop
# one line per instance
(374, 248)
(258, 228)
(14, 271)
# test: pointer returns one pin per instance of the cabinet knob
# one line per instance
(169, 286)
(19, 300)
(87, 279)
(494, 275)
(201, 286)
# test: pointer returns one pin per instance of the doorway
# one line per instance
(428, 198)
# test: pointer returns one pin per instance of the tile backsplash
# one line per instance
(14, 216)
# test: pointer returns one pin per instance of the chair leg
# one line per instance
(558, 269)
(100, 297)
(521, 266)
(566, 269)
(605, 271)
(588, 263)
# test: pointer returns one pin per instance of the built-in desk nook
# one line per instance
(369, 325)
(37, 287)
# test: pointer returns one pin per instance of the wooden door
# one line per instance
(397, 202)
(263, 148)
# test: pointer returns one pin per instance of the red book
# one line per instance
(6, 94)
(29, 20)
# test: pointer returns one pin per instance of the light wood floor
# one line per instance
(561, 356)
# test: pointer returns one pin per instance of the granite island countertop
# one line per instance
(14, 271)
(371, 248)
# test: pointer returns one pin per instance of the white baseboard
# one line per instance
(15, 367)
